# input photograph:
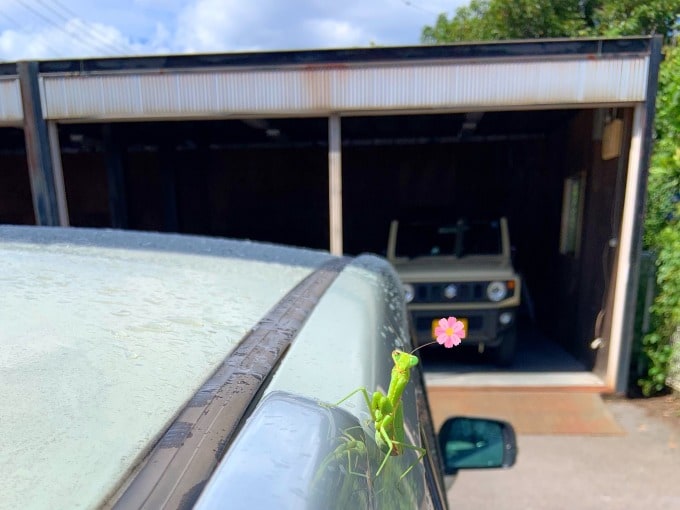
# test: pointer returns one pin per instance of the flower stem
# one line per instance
(424, 345)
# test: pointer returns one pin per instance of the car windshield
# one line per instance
(461, 239)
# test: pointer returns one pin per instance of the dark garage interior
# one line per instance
(267, 179)
(253, 179)
(16, 206)
(511, 164)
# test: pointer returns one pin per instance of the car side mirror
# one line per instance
(476, 443)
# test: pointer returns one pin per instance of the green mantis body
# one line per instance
(387, 412)
(350, 447)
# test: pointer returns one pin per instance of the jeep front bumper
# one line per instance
(483, 326)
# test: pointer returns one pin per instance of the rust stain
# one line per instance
(331, 66)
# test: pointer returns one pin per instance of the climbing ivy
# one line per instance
(662, 227)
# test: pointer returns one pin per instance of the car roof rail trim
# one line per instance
(173, 474)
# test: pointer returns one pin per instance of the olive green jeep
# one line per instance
(463, 269)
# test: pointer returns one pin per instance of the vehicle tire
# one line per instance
(504, 354)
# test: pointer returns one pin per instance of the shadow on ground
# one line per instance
(535, 353)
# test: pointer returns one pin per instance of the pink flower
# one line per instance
(449, 332)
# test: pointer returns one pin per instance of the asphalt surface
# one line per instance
(639, 470)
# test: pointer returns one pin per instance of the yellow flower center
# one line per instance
(449, 331)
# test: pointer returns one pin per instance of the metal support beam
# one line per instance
(59, 187)
(40, 169)
(630, 245)
(335, 183)
(623, 271)
(116, 178)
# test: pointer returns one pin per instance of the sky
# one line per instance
(49, 29)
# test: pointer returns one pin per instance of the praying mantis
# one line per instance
(386, 410)
(387, 413)
(349, 445)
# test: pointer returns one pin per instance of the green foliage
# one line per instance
(634, 17)
(508, 19)
(659, 351)
(667, 305)
(664, 173)
(527, 19)
(662, 225)
(639, 363)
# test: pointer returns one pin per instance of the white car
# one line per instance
(154, 371)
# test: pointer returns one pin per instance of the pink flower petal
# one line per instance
(449, 332)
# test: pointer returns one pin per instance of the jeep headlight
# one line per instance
(450, 291)
(496, 291)
(409, 292)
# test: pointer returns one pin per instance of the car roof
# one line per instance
(105, 335)
(330, 335)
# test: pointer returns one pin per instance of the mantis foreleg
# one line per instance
(387, 413)
(364, 392)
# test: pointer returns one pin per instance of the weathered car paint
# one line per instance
(105, 336)
(297, 449)
(190, 450)
(332, 357)
(285, 458)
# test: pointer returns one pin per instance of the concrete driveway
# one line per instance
(638, 470)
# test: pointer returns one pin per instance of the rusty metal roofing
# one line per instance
(299, 91)
(11, 111)
(463, 77)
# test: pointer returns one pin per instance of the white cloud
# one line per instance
(73, 38)
(229, 25)
(126, 27)
(207, 25)
(336, 33)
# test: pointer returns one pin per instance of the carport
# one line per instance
(323, 148)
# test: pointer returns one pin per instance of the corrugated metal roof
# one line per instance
(442, 85)
(11, 111)
(464, 77)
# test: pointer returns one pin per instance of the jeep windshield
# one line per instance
(459, 239)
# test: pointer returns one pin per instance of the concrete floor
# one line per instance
(638, 470)
(539, 362)
(634, 470)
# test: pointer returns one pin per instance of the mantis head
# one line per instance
(403, 360)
